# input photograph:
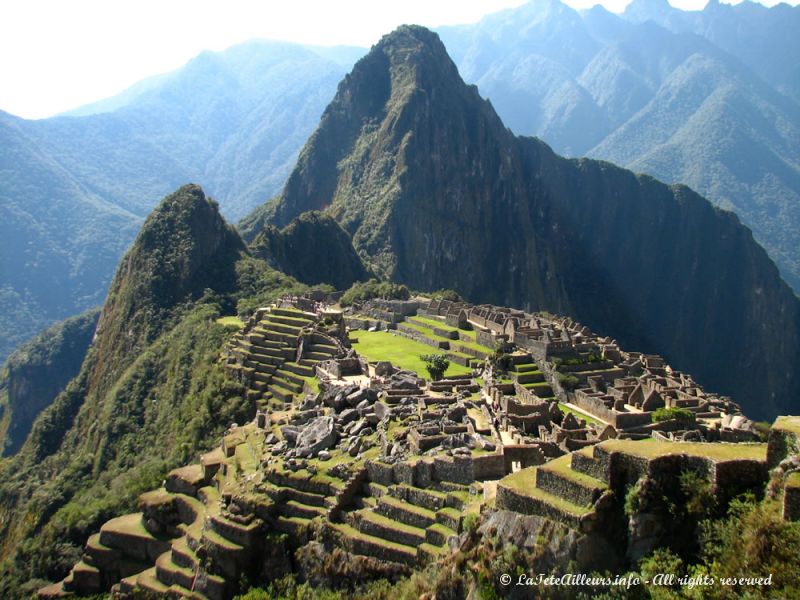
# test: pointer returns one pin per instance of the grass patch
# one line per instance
(230, 322)
(715, 451)
(425, 326)
(562, 466)
(793, 480)
(524, 482)
(400, 351)
(787, 423)
(430, 323)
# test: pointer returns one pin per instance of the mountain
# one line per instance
(149, 393)
(436, 193)
(36, 372)
(705, 98)
(314, 249)
(75, 188)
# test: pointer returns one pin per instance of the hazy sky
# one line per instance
(59, 54)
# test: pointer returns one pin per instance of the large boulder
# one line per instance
(318, 434)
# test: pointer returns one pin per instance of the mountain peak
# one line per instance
(407, 83)
(640, 11)
(184, 248)
(415, 57)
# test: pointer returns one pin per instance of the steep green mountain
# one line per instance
(149, 393)
(36, 372)
(74, 189)
(706, 98)
(437, 193)
(313, 248)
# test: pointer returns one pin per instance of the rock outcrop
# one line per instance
(35, 373)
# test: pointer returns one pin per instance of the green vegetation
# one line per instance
(499, 358)
(150, 395)
(232, 322)
(363, 291)
(36, 372)
(568, 382)
(435, 364)
(400, 351)
(170, 404)
(751, 541)
(681, 415)
(451, 295)
(312, 248)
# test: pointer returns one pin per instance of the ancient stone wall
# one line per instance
(453, 469)
(489, 466)
(380, 472)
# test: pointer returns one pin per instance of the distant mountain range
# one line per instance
(708, 98)
(75, 189)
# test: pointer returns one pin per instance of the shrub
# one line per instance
(471, 523)
(568, 382)
(443, 294)
(367, 290)
(682, 415)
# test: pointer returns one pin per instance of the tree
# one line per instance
(436, 364)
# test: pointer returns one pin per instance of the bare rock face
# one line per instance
(318, 434)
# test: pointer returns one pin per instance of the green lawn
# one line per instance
(786, 423)
(400, 351)
(426, 326)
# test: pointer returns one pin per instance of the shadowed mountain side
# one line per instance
(435, 192)
(314, 249)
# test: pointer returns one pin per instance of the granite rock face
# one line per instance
(436, 193)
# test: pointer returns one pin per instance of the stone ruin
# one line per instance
(384, 465)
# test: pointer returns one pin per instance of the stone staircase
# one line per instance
(178, 570)
(168, 547)
(298, 501)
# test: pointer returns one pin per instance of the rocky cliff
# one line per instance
(436, 192)
(36, 372)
